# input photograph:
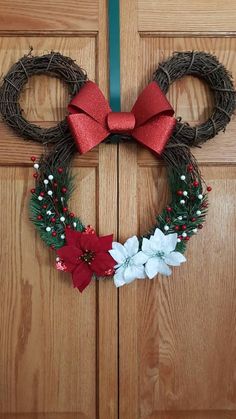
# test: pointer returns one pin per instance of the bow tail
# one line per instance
(86, 132)
(156, 133)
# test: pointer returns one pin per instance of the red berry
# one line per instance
(52, 246)
(180, 193)
(60, 170)
(193, 219)
(68, 226)
(54, 234)
(32, 158)
(196, 183)
(184, 227)
(65, 209)
(209, 188)
(55, 184)
(180, 237)
(189, 168)
(55, 200)
(42, 193)
(168, 209)
(187, 238)
(71, 214)
(176, 228)
(204, 205)
(44, 206)
(53, 219)
(32, 190)
(39, 217)
(35, 175)
(64, 189)
(200, 226)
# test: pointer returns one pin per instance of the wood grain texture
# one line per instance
(48, 330)
(179, 15)
(16, 151)
(128, 207)
(108, 304)
(49, 16)
(222, 414)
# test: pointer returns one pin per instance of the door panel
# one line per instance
(176, 335)
(50, 16)
(55, 342)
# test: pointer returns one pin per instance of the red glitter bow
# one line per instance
(91, 120)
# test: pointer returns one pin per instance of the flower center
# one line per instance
(88, 256)
(128, 261)
(160, 254)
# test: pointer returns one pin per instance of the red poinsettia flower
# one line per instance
(86, 254)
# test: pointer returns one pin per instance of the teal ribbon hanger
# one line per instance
(114, 54)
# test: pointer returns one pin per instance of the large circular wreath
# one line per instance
(79, 249)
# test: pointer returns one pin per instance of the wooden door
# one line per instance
(176, 335)
(58, 348)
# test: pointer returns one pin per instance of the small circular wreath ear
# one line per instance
(206, 67)
(53, 64)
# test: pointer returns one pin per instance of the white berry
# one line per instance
(180, 217)
(182, 177)
(62, 219)
(50, 193)
(40, 198)
(45, 181)
(195, 230)
(178, 240)
(49, 212)
(185, 193)
(166, 228)
(48, 228)
(36, 166)
(74, 224)
(50, 177)
(182, 201)
(57, 259)
(200, 196)
(184, 234)
(62, 236)
(198, 212)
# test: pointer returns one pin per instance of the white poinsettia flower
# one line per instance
(160, 250)
(130, 261)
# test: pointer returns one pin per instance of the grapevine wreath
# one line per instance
(90, 121)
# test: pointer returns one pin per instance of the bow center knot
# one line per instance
(121, 121)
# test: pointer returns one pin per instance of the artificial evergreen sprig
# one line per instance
(188, 208)
(49, 203)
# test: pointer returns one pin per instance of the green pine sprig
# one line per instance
(187, 210)
(49, 205)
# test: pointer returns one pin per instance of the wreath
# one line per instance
(90, 121)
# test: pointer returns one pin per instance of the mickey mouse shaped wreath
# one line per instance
(151, 123)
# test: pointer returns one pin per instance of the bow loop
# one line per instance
(91, 120)
(151, 103)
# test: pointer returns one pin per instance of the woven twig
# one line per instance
(53, 64)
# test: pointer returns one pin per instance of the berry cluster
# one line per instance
(49, 210)
(186, 213)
